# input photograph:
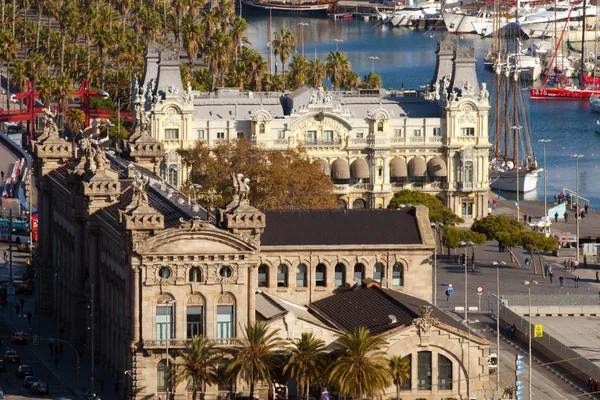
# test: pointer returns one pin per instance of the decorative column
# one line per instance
(135, 306)
(251, 294)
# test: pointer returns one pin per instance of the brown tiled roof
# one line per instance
(340, 227)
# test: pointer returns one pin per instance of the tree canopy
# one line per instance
(452, 237)
(438, 212)
(278, 179)
(492, 226)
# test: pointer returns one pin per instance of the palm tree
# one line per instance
(35, 65)
(317, 71)
(306, 363)
(200, 362)
(361, 369)
(337, 68)
(252, 359)
(19, 74)
(238, 28)
(373, 81)
(298, 73)
(283, 45)
(47, 87)
(400, 371)
(352, 80)
(191, 31)
(8, 52)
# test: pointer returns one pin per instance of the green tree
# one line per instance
(298, 72)
(317, 71)
(252, 360)
(47, 87)
(452, 237)
(373, 81)
(200, 362)
(338, 66)
(306, 363)
(283, 45)
(352, 80)
(362, 367)
(437, 211)
(535, 242)
(74, 121)
(400, 371)
(501, 228)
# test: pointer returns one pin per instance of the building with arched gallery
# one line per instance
(371, 142)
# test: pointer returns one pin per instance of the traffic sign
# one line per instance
(516, 204)
(479, 289)
(538, 330)
(10, 294)
(450, 290)
(449, 285)
(78, 365)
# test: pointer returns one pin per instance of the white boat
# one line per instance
(595, 105)
(506, 179)
(411, 14)
(530, 67)
(462, 21)
(553, 19)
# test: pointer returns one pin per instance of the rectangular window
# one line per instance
(467, 131)
(397, 275)
(444, 373)
(172, 134)
(468, 177)
(194, 321)
(406, 384)
(424, 369)
(164, 322)
(467, 209)
(416, 132)
(200, 134)
(437, 131)
(281, 135)
(327, 136)
(224, 322)
(300, 276)
(320, 275)
(311, 137)
(397, 132)
(220, 135)
(360, 135)
(339, 277)
(263, 277)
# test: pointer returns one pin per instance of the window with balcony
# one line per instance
(263, 276)
(360, 135)
(171, 134)
(321, 275)
(468, 175)
(380, 126)
(301, 280)
(437, 132)
(467, 131)
(220, 135)
(195, 319)
(398, 275)
(282, 275)
(225, 322)
(417, 133)
(444, 373)
(281, 135)
(164, 322)
(467, 209)
(424, 370)
(327, 136)
(172, 175)
(311, 137)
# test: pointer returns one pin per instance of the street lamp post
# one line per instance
(464, 245)
(497, 264)
(435, 226)
(302, 25)
(373, 58)
(577, 157)
(269, 41)
(528, 284)
(337, 42)
(544, 142)
(468, 323)
(517, 129)
(168, 303)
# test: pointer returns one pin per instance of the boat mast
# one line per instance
(506, 110)
(516, 115)
(498, 70)
(583, 46)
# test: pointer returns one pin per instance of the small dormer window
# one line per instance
(380, 126)
(261, 128)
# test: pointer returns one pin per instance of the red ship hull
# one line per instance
(562, 93)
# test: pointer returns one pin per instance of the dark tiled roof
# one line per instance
(340, 227)
(372, 307)
(363, 307)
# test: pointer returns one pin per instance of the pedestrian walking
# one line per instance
(494, 203)
(513, 331)
(447, 295)
(584, 261)
(576, 281)
(551, 275)
(29, 315)
(473, 263)
(556, 217)
(527, 263)
(582, 215)
(595, 385)
(555, 198)
(524, 219)
(18, 309)
(529, 219)
(586, 207)
(591, 383)
(561, 279)
(597, 276)
(566, 216)
(2, 175)
(508, 329)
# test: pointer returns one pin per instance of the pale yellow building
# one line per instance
(371, 143)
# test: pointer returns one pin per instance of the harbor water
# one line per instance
(406, 57)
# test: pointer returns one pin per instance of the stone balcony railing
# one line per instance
(181, 343)
(465, 186)
(335, 142)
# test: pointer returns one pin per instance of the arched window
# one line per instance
(424, 370)
(195, 321)
(444, 373)
(172, 175)
(161, 376)
(261, 128)
(397, 275)
(341, 204)
(359, 203)
(301, 276)
(195, 274)
(321, 275)
(378, 272)
(164, 321)
(380, 126)
(226, 316)
(359, 272)
(282, 275)
(263, 276)
(340, 275)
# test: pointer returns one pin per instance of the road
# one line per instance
(38, 358)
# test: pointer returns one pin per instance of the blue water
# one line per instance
(407, 57)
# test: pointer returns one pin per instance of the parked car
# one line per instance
(29, 381)
(39, 388)
(19, 338)
(24, 370)
(11, 356)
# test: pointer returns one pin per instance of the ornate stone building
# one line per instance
(371, 143)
